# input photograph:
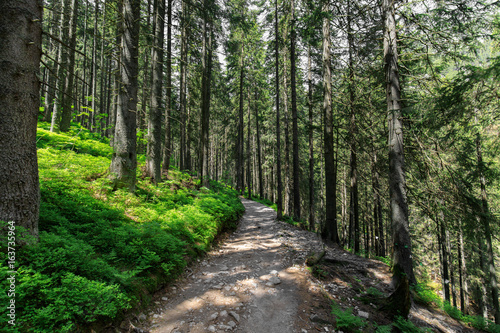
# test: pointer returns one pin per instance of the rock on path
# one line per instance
(253, 283)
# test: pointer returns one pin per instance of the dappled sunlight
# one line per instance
(248, 284)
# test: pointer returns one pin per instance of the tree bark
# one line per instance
(279, 188)
(464, 292)
(259, 149)
(311, 142)
(485, 221)
(153, 162)
(249, 153)
(124, 162)
(329, 231)
(183, 85)
(295, 131)
(62, 68)
(67, 99)
(402, 259)
(240, 186)
(354, 199)
(168, 141)
(288, 176)
(205, 89)
(20, 53)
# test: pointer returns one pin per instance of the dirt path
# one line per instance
(253, 283)
(257, 282)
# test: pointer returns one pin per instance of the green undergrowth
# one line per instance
(101, 251)
(426, 294)
(347, 321)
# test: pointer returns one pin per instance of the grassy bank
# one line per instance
(100, 251)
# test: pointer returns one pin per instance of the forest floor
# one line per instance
(256, 281)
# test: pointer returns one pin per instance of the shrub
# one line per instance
(346, 320)
(101, 251)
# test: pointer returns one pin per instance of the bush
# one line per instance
(100, 252)
(346, 320)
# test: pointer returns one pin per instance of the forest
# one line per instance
(372, 123)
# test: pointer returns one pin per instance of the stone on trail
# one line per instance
(235, 316)
(274, 280)
(363, 314)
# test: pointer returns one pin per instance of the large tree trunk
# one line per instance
(279, 188)
(329, 231)
(124, 162)
(295, 131)
(402, 259)
(153, 162)
(20, 53)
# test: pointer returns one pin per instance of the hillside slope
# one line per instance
(100, 251)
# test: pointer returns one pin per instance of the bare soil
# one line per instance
(257, 281)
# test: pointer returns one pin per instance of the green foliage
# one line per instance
(426, 295)
(100, 251)
(346, 320)
(384, 329)
(385, 260)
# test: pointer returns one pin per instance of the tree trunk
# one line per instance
(153, 161)
(464, 292)
(259, 159)
(67, 100)
(53, 50)
(167, 146)
(288, 179)
(377, 209)
(445, 278)
(485, 221)
(354, 199)
(93, 81)
(279, 188)
(295, 131)
(21, 38)
(240, 167)
(402, 259)
(249, 153)
(205, 89)
(183, 85)
(124, 161)
(311, 142)
(63, 63)
(330, 229)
